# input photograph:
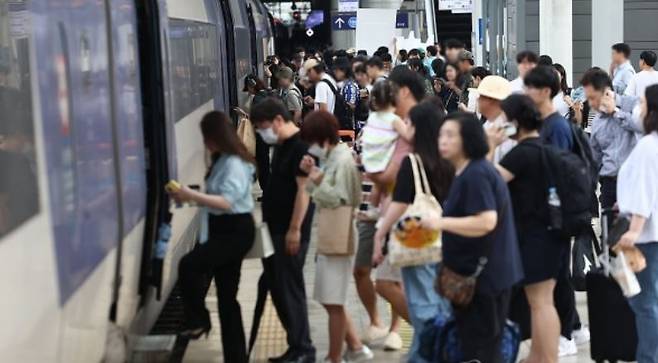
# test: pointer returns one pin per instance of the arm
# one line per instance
(630, 238)
(207, 200)
(475, 226)
(401, 128)
(322, 106)
(331, 196)
(597, 152)
(302, 200)
(297, 117)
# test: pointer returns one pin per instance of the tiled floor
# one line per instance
(271, 340)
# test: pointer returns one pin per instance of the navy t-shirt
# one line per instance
(556, 131)
(479, 188)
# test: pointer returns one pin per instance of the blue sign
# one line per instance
(343, 21)
(402, 20)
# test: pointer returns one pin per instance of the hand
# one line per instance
(377, 255)
(627, 240)
(316, 175)
(496, 136)
(308, 100)
(307, 164)
(293, 238)
(463, 107)
(184, 194)
(608, 104)
(568, 100)
(431, 221)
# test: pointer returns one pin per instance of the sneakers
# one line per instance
(374, 333)
(581, 336)
(567, 347)
(393, 341)
(356, 356)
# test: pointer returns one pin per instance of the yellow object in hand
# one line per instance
(173, 186)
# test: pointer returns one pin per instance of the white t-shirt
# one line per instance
(324, 94)
(640, 82)
(517, 85)
(507, 145)
(637, 186)
(560, 106)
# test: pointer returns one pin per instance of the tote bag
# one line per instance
(246, 134)
(335, 231)
(410, 244)
(263, 247)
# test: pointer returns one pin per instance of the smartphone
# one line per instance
(510, 129)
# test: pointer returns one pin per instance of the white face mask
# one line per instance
(268, 135)
(318, 151)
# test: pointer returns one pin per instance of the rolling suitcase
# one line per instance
(611, 320)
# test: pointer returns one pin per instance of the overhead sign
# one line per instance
(402, 20)
(456, 6)
(346, 6)
(343, 21)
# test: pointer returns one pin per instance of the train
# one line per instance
(100, 104)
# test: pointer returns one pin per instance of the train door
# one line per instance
(253, 41)
(231, 58)
(71, 54)
(242, 46)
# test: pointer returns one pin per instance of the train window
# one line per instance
(19, 194)
(194, 61)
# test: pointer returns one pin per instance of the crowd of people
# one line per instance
(482, 141)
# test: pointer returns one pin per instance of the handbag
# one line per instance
(410, 244)
(246, 133)
(263, 247)
(335, 231)
(460, 289)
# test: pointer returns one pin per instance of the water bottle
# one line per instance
(554, 209)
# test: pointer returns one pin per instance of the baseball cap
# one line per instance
(495, 87)
(285, 73)
(310, 63)
(465, 55)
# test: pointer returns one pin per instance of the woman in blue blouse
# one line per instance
(227, 234)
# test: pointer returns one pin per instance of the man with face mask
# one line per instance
(614, 132)
(288, 213)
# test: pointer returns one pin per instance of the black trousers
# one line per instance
(608, 196)
(262, 161)
(285, 278)
(565, 303)
(229, 239)
(480, 326)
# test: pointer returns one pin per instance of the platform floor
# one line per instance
(271, 340)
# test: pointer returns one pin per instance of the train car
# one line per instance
(100, 105)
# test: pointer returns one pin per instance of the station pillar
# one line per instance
(556, 32)
(607, 29)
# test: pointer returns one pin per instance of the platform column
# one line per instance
(556, 34)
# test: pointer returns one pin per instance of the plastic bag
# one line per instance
(625, 277)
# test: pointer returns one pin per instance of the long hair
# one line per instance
(563, 75)
(651, 120)
(427, 119)
(216, 127)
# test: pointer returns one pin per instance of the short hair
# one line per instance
(649, 57)
(386, 57)
(454, 43)
(545, 60)
(267, 110)
(474, 141)
(432, 50)
(527, 56)
(414, 51)
(361, 68)
(403, 52)
(320, 126)
(651, 120)
(362, 52)
(522, 109)
(543, 77)
(438, 66)
(382, 49)
(344, 65)
(402, 76)
(597, 79)
(480, 72)
(622, 48)
(375, 61)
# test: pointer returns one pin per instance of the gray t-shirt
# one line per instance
(292, 97)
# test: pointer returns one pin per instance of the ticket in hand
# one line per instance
(173, 186)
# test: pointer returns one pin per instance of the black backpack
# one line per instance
(571, 176)
(264, 94)
(342, 110)
(583, 149)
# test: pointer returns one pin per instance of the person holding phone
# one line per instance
(614, 133)
(492, 90)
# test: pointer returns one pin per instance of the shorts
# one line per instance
(366, 242)
(388, 272)
(332, 278)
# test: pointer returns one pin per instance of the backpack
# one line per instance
(583, 149)
(342, 110)
(571, 177)
(264, 94)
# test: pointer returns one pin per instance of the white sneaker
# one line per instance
(567, 347)
(581, 336)
(393, 341)
(362, 355)
(373, 334)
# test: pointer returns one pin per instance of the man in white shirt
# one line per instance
(325, 86)
(647, 77)
(492, 91)
(525, 62)
(621, 69)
